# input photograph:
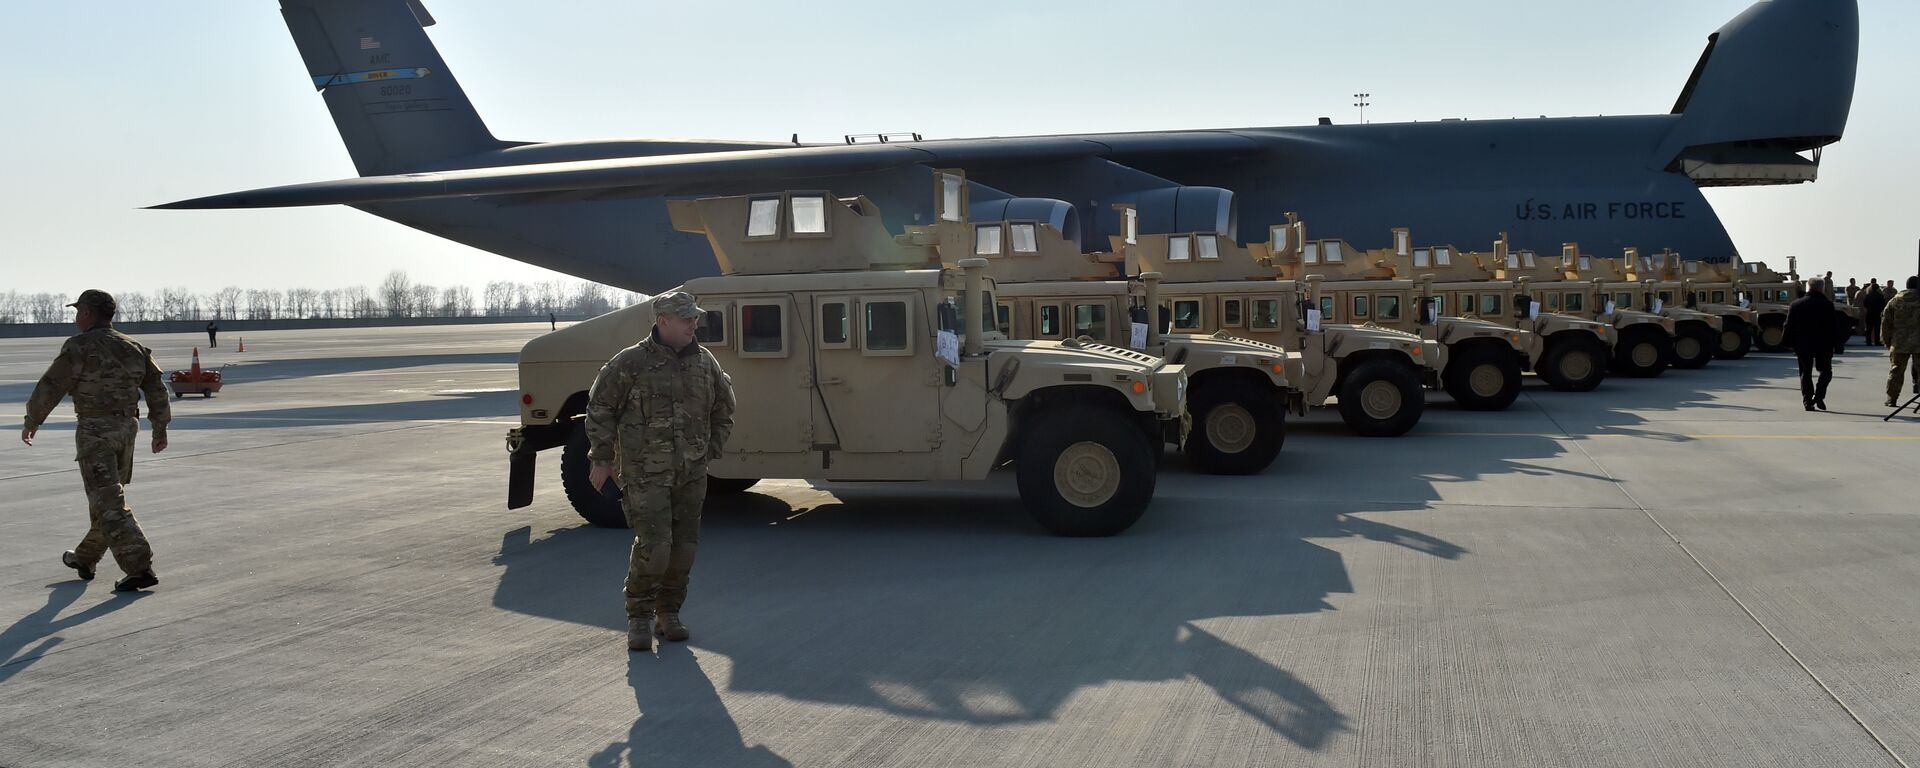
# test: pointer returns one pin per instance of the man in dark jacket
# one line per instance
(1873, 301)
(1812, 324)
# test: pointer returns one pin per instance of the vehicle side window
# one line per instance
(1361, 307)
(762, 330)
(1266, 314)
(1719, 297)
(809, 214)
(1666, 297)
(1004, 313)
(1490, 305)
(836, 325)
(713, 328)
(1232, 313)
(1186, 314)
(1623, 301)
(1576, 302)
(1440, 305)
(885, 329)
(1090, 320)
(1387, 307)
(1553, 302)
(1326, 309)
(763, 217)
(1050, 321)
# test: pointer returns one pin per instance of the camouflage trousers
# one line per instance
(664, 511)
(104, 448)
(1898, 375)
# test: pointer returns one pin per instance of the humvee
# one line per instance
(1487, 349)
(1770, 293)
(856, 356)
(1212, 285)
(1048, 289)
(1711, 289)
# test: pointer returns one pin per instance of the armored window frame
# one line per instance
(1003, 311)
(1327, 306)
(1206, 247)
(908, 307)
(1527, 259)
(953, 197)
(1199, 313)
(1309, 253)
(1361, 305)
(1492, 304)
(1719, 297)
(1024, 237)
(1331, 252)
(1443, 257)
(1422, 258)
(1575, 301)
(989, 240)
(1264, 307)
(1041, 317)
(1384, 300)
(719, 311)
(850, 329)
(825, 202)
(1623, 300)
(1277, 238)
(764, 227)
(780, 315)
(1439, 304)
(1105, 309)
(1233, 312)
(1666, 297)
(1553, 302)
(1180, 248)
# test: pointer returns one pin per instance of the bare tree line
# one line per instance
(397, 296)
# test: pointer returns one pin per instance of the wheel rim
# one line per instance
(1380, 400)
(1645, 354)
(1230, 428)
(1087, 475)
(1486, 380)
(1576, 365)
(1774, 335)
(1687, 347)
(1729, 341)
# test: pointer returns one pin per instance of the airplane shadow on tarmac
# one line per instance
(957, 607)
(41, 626)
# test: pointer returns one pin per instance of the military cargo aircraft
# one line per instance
(1773, 87)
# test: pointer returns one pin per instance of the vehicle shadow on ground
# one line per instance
(437, 406)
(988, 621)
(43, 625)
(241, 371)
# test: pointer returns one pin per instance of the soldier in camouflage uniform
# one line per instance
(657, 413)
(106, 371)
(1900, 331)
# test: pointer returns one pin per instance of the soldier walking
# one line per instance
(1812, 324)
(1872, 303)
(1900, 330)
(662, 409)
(106, 372)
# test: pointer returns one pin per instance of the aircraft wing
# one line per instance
(715, 172)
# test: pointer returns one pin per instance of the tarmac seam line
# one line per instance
(1751, 616)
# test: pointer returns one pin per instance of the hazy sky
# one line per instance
(117, 106)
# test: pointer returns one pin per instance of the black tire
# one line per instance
(1772, 336)
(727, 486)
(206, 395)
(1573, 363)
(1398, 398)
(1693, 345)
(1736, 340)
(1099, 446)
(596, 507)
(1482, 377)
(1238, 427)
(1643, 352)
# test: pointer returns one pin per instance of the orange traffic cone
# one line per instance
(243, 344)
(196, 363)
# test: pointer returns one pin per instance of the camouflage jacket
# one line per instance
(655, 409)
(1900, 324)
(106, 371)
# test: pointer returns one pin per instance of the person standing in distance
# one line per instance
(213, 329)
(106, 372)
(1872, 303)
(662, 408)
(1812, 324)
(1900, 330)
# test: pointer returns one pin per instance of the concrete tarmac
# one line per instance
(1685, 571)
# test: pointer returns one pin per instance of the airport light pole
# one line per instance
(1362, 103)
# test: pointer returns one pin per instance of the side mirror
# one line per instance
(1523, 306)
(1427, 314)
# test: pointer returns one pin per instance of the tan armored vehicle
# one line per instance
(856, 356)
(1211, 285)
(1710, 289)
(1486, 350)
(1769, 293)
(1696, 334)
(1046, 289)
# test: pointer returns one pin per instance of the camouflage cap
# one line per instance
(96, 298)
(677, 303)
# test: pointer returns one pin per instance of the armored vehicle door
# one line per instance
(757, 341)
(878, 381)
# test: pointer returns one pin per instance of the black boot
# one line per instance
(136, 582)
(86, 571)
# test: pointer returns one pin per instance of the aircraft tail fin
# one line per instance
(397, 106)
